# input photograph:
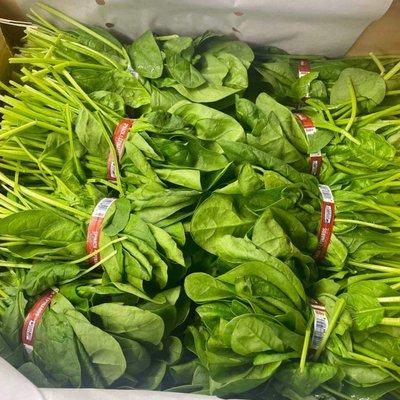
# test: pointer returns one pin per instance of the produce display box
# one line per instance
(4, 56)
(245, 20)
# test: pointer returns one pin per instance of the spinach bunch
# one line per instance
(327, 78)
(363, 331)
(64, 353)
(250, 321)
(278, 209)
(170, 158)
(115, 345)
(135, 255)
(153, 72)
(205, 69)
(178, 149)
(92, 58)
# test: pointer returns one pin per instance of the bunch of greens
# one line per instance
(280, 73)
(135, 255)
(253, 331)
(153, 72)
(88, 337)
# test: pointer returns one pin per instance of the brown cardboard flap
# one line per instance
(5, 54)
(10, 10)
(382, 37)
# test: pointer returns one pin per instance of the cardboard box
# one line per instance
(5, 54)
(381, 37)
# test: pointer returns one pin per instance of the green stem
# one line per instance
(42, 167)
(19, 129)
(374, 362)
(40, 61)
(38, 123)
(380, 183)
(392, 308)
(319, 105)
(392, 299)
(396, 286)
(350, 171)
(104, 182)
(381, 208)
(29, 112)
(391, 322)
(392, 72)
(353, 99)
(341, 111)
(378, 63)
(48, 101)
(69, 93)
(96, 55)
(82, 27)
(99, 250)
(87, 271)
(334, 128)
(363, 223)
(339, 307)
(368, 352)
(336, 393)
(393, 92)
(11, 202)
(78, 48)
(41, 21)
(45, 199)
(375, 267)
(366, 119)
(383, 276)
(9, 264)
(43, 85)
(86, 97)
(392, 263)
(3, 294)
(306, 344)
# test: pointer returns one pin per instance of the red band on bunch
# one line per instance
(303, 68)
(33, 318)
(315, 161)
(119, 137)
(94, 228)
(326, 223)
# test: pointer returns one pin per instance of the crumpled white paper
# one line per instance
(14, 386)
(298, 26)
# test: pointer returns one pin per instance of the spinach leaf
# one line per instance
(103, 350)
(201, 287)
(216, 217)
(91, 134)
(35, 375)
(365, 310)
(146, 56)
(183, 71)
(304, 383)
(45, 275)
(208, 123)
(287, 120)
(130, 322)
(55, 350)
(137, 357)
(370, 86)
